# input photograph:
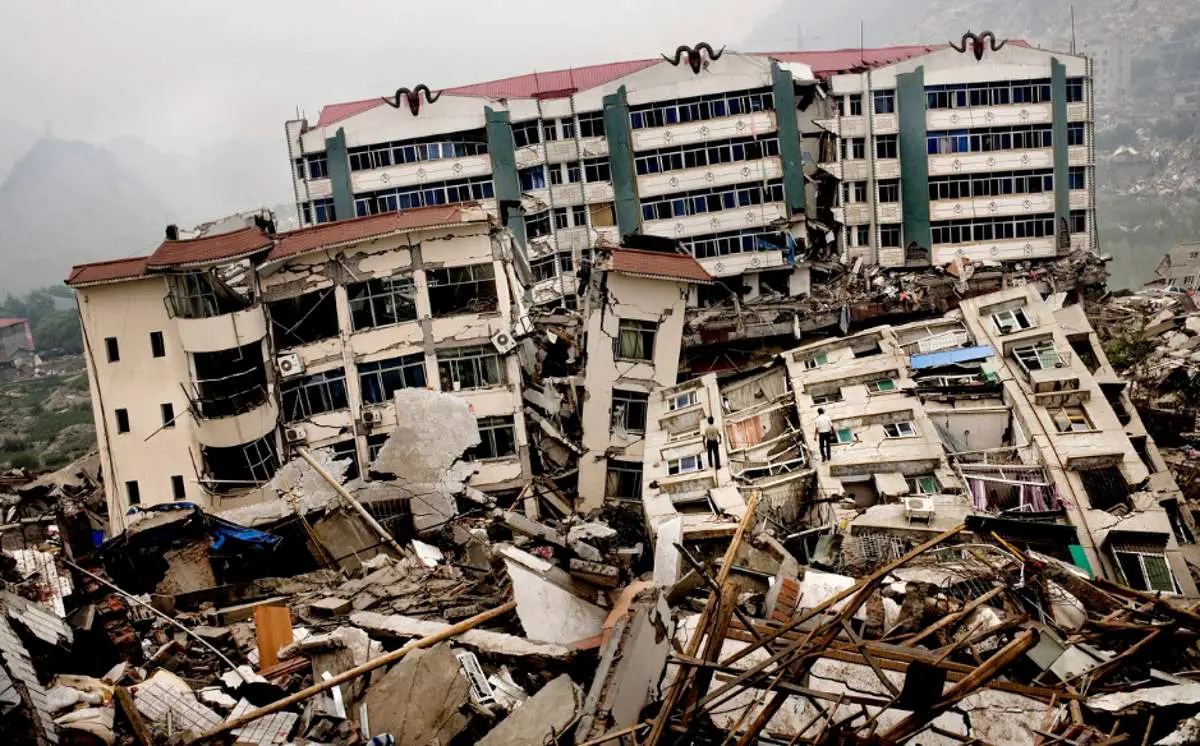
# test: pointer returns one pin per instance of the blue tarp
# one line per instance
(950, 357)
(220, 529)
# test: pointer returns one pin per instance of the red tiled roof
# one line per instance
(10, 322)
(360, 229)
(110, 271)
(659, 265)
(223, 246)
(558, 83)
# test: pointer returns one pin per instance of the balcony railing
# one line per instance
(230, 395)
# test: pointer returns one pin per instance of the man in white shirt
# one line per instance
(824, 435)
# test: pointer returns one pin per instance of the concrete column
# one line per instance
(620, 162)
(914, 175)
(339, 175)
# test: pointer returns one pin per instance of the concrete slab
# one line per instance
(552, 606)
(539, 719)
(421, 698)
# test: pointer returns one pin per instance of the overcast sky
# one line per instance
(181, 74)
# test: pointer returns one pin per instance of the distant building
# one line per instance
(1112, 72)
(1180, 267)
(15, 341)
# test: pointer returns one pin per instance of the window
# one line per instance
(854, 104)
(708, 153)
(462, 368)
(990, 139)
(1075, 133)
(168, 415)
(469, 289)
(526, 133)
(700, 201)
(375, 444)
(122, 416)
(681, 401)
(857, 191)
(1074, 90)
(318, 166)
(321, 211)
(828, 397)
(537, 224)
(854, 148)
(498, 438)
(549, 131)
(732, 242)
(556, 174)
(1077, 177)
(889, 190)
(415, 150)
(844, 435)
(925, 484)
(900, 430)
(424, 195)
(624, 479)
(381, 379)
(132, 491)
(995, 184)
(178, 491)
(579, 215)
(862, 235)
(533, 177)
(816, 361)
(882, 386)
(574, 173)
(314, 394)
(114, 352)
(1071, 420)
(889, 235)
(663, 113)
(560, 218)
(382, 302)
(1078, 221)
(305, 318)
(629, 410)
(885, 102)
(591, 124)
(157, 348)
(886, 146)
(684, 465)
(543, 268)
(635, 340)
(1012, 320)
(1040, 356)
(595, 169)
(993, 229)
(568, 128)
(957, 96)
(1145, 567)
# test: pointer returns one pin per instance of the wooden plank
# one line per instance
(272, 630)
(140, 730)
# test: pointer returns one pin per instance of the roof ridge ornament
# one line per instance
(977, 43)
(413, 98)
(695, 60)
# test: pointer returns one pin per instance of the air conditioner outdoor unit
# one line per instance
(372, 417)
(920, 508)
(294, 434)
(504, 342)
(289, 365)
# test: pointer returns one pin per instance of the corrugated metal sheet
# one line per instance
(950, 357)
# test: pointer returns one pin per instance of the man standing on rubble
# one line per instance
(824, 435)
(712, 439)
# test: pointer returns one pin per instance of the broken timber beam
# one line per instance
(954, 618)
(367, 517)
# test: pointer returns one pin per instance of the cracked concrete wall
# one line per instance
(622, 297)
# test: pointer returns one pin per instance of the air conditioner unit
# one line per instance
(920, 508)
(504, 342)
(289, 365)
(294, 434)
(372, 417)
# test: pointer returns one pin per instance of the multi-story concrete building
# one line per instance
(15, 340)
(211, 356)
(905, 157)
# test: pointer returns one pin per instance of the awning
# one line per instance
(950, 357)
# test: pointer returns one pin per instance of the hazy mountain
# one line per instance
(68, 202)
(814, 24)
(15, 140)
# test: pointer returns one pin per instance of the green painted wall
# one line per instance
(789, 138)
(339, 175)
(1058, 106)
(620, 162)
(914, 157)
(503, 151)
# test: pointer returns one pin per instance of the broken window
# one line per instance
(462, 368)
(729, 242)
(816, 361)
(889, 235)
(133, 492)
(1179, 525)
(624, 480)
(844, 435)
(829, 397)
(122, 416)
(469, 289)
(168, 415)
(881, 386)
(543, 268)
(533, 177)
(424, 195)
(1106, 488)
(601, 215)
(924, 484)
(375, 444)
(900, 430)
(526, 133)
(885, 102)
(889, 190)
(178, 490)
(681, 401)
(854, 104)
(1040, 356)
(112, 349)
(1145, 567)
(591, 124)
(498, 439)
(240, 467)
(629, 410)
(230, 382)
(346, 450)
(537, 224)
(1071, 420)
(635, 340)
(157, 348)
(1082, 347)
(314, 394)
(379, 380)
(887, 146)
(1141, 446)
(684, 465)
(1011, 320)
(382, 302)
(305, 318)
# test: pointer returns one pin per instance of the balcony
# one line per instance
(998, 251)
(224, 332)
(751, 216)
(988, 116)
(231, 402)
(562, 151)
(1004, 160)
(409, 174)
(737, 264)
(743, 125)
(725, 174)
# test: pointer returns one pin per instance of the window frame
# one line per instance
(158, 345)
(683, 400)
(1020, 321)
(489, 428)
(1071, 418)
(633, 404)
(676, 466)
(479, 360)
(403, 364)
(902, 429)
(482, 275)
(167, 410)
(394, 293)
(112, 349)
(878, 386)
(121, 417)
(647, 331)
(296, 395)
